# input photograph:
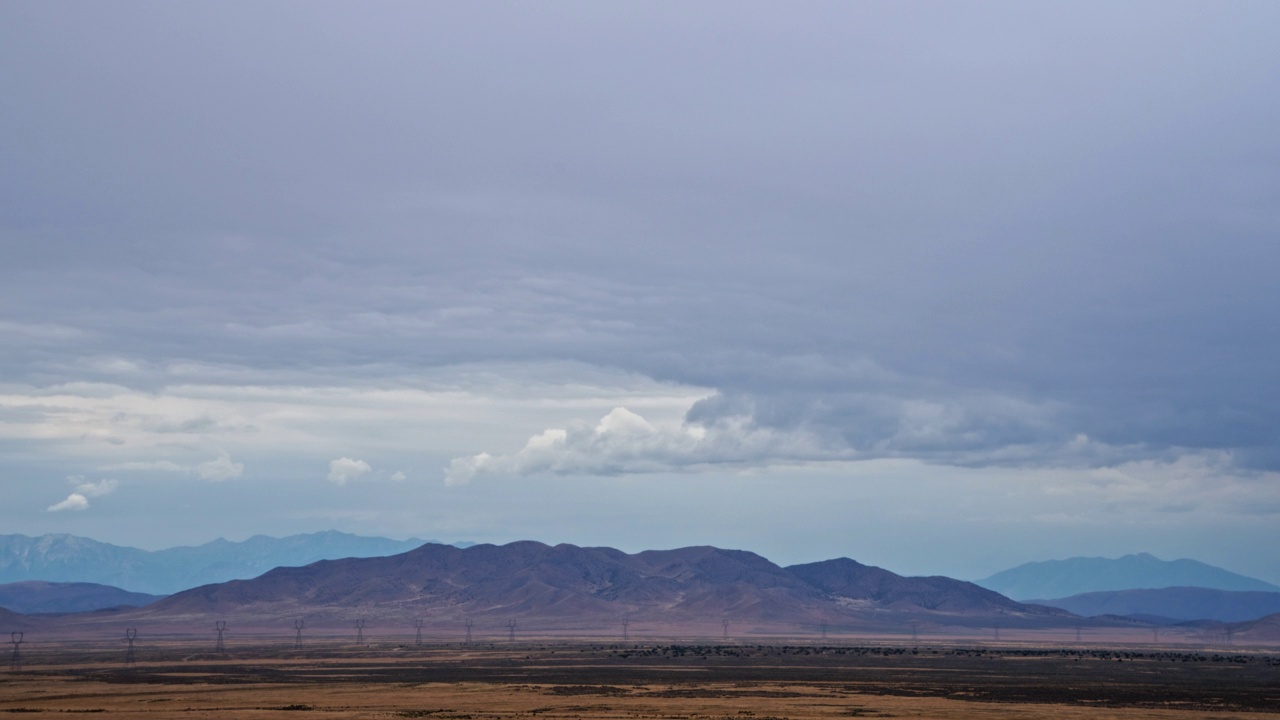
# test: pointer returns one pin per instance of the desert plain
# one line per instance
(708, 679)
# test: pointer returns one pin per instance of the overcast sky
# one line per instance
(942, 287)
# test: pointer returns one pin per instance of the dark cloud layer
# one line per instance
(968, 234)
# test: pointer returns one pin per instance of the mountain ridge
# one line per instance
(1173, 603)
(39, 596)
(567, 586)
(849, 578)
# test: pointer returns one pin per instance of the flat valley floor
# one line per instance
(588, 681)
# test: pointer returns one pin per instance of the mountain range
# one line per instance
(1074, 576)
(68, 558)
(331, 578)
(1173, 604)
(571, 587)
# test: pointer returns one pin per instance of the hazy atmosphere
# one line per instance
(941, 287)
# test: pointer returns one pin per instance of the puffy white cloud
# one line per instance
(624, 442)
(220, 468)
(399, 476)
(79, 500)
(74, 501)
(344, 470)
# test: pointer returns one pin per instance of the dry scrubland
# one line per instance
(633, 681)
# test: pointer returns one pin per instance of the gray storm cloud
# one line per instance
(985, 236)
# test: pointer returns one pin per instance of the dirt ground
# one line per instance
(576, 681)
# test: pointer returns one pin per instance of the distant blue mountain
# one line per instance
(1064, 578)
(68, 558)
(1173, 603)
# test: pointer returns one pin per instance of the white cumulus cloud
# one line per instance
(79, 499)
(623, 442)
(74, 501)
(220, 468)
(344, 470)
(399, 476)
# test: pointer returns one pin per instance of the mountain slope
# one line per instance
(12, 622)
(37, 596)
(1064, 578)
(67, 558)
(1177, 603)
(1264, 629)
(849, 579)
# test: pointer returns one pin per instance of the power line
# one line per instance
(15, 663)
(130, 657)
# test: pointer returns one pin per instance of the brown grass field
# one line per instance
(564, 680)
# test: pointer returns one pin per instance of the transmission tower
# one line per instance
(360, 631)
(297, 639)
(1155, 634)
(1077, 632)
(511, 630)
(469, 626)
(915, 631)
(220, 627)
(1230, 632)
(626, 623)
(725, 623)
(417, 638)
(824, 631)
(15, 663)
(997, 632)
(130, 635)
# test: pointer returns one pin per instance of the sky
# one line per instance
(940, 287)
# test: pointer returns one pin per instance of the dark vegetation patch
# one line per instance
(608, 690)
(700, 692)
(1106, 677)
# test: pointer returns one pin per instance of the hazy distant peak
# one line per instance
(1074, 576)
(69, 558)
